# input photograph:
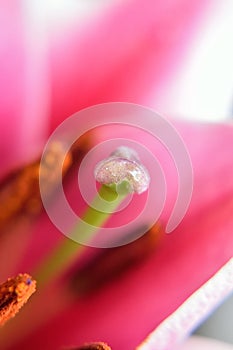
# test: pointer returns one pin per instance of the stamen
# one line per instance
(123, 165)
(93, 346)
(20, 192)
(93, 219)
(14, 293)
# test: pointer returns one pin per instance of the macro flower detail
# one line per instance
(123, 165)
(55, 63)
(14, 293)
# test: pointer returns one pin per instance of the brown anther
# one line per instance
(50, 166)
(20, 190)
(14, 293)
(93, 346)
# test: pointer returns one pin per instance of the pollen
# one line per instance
(94, 346)
(14, 293)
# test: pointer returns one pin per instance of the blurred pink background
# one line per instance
(182, 74)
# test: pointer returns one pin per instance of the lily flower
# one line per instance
(126, 55)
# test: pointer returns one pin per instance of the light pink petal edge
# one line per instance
(194, 310)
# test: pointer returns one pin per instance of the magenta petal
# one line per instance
(126, 311)
(105, 62)
(122, 56)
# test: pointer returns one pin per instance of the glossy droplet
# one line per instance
(123, 165)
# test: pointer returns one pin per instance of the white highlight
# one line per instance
(203, 88)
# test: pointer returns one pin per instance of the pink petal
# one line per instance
(110, 62)
(126, 311)
(121, 56)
